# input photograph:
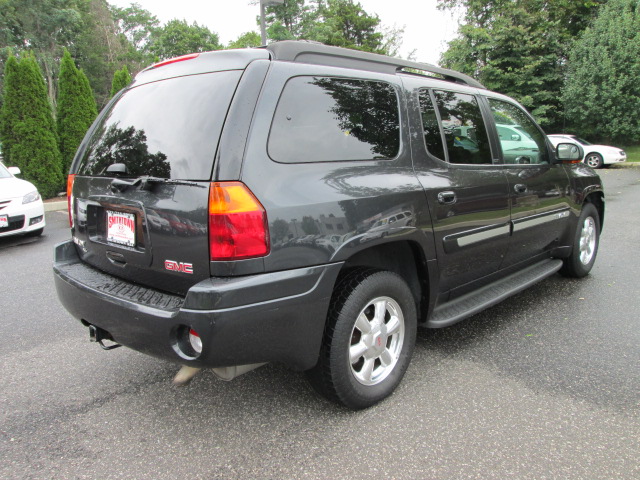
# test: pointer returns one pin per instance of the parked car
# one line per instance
(596, 156)
(299, 130)
(21, 208)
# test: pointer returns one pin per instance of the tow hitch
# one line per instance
(98, 335)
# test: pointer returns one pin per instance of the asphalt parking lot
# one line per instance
(545, 385)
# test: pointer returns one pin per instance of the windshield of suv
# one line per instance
(167, 129)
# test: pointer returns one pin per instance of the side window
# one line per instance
(464, 129)
(521, 140)
(321, 119)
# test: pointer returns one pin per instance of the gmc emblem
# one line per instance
(178, 266)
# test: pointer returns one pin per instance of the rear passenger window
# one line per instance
(321, 119)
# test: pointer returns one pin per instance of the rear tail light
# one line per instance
(238, 226)
(70, 180)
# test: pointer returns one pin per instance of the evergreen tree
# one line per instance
(9, 115)
(121, 79)
(76, 109)
(28, 126)
(602, 92)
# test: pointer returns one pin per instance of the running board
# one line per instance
(476, 301)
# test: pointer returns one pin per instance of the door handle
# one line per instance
(520, 188)
(447, 198)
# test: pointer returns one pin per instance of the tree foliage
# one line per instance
(343, 23)
(101, 48)
(519, 48)
(121, 79)
(136, 24)
(602, 92)
(76, 109)
(43, 27)
(177, 38)
(28, 130)
(246, 40)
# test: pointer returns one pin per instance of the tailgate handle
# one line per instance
(116, 258)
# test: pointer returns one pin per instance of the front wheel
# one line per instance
(594, 160)
(585, 244)
(368, 340)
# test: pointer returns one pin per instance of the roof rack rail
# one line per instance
(305, 51)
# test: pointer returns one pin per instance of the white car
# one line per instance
(21, 208)
(596, 156)
(517, 145)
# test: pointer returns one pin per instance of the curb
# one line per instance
(54, 206)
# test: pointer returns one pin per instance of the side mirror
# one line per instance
(569, 153)
(515, 137)
(14, 170)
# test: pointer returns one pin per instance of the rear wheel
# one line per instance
(594, 160)
(585, 244)
(368, 340)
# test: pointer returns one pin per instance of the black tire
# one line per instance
(586, 240)
(367, 381)
(594, 160)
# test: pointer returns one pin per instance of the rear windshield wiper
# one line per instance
(147, 183)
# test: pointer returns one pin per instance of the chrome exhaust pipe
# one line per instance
(229, 373)
(186, 373)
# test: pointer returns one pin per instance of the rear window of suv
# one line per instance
(320, 119)
(167, 129)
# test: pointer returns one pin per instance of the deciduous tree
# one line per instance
(177, 38)
(249, 39)
(342, 23)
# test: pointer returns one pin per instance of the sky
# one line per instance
(426, 29)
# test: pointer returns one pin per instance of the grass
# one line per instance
(633, 153)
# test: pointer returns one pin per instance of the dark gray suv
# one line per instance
(312, 206)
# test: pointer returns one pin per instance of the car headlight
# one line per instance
(31, 197)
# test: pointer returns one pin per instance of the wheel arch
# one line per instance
(403, 257)
(597, 200)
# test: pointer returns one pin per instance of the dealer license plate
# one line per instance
(121, 228)
(4, 221)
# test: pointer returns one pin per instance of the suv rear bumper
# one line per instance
(271, 317)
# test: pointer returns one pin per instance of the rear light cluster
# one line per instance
(238, 227)
(70, 180)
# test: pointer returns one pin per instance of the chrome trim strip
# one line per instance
(483, 235)
(539, 219)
